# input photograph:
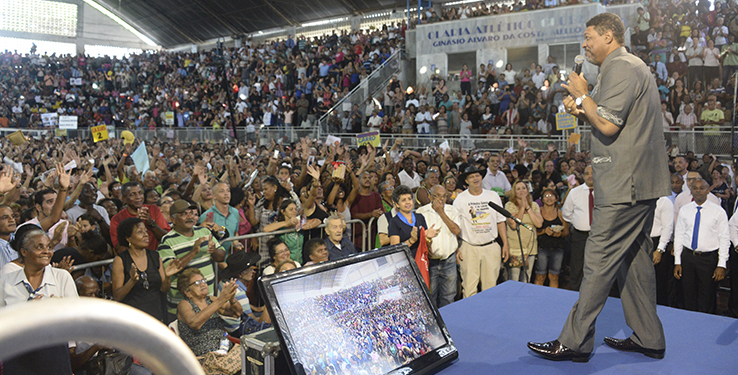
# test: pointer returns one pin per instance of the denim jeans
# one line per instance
(549, 261)
(442, 280)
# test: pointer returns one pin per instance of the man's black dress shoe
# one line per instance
(627, 345)
(556, 351)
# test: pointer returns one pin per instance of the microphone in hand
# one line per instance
(578, 61)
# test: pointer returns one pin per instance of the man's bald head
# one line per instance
(87, 286)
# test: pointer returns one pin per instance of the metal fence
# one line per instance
(376, 81)
(698, 140)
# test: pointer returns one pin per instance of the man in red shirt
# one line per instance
(368, 204)
(156, 225)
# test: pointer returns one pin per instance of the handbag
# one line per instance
(109, 363)
(516, 261)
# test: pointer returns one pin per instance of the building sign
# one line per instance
(549, 26)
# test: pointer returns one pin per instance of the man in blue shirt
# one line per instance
(221, 217)
(7, 227)
(338, 245)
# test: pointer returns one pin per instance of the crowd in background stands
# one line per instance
(525, 99)
(274, 83)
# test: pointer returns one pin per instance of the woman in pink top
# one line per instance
(465, 76)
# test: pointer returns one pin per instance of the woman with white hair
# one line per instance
(35, 281)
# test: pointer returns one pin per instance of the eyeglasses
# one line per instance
(198, 282)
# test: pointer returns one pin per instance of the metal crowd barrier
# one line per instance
(285, 231)
(29, 326)
(365, 244)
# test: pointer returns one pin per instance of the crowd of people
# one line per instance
(67, 202)
(693, 76)
(287, 82)
(181, 214)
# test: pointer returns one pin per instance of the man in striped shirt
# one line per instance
(181, 242)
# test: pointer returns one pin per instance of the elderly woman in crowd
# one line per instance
(139, 278)
(521, 206)
(35, 281)
(200, 325)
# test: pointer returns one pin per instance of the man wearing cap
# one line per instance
(156, 224)
(179, 242)
(241, 267)
(480, 255)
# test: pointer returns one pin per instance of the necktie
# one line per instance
(591, 204)
(696, 232)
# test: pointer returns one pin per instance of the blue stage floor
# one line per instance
(492, 328)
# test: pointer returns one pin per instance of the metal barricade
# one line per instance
(369, 233)
(284, 231)
(29, 326)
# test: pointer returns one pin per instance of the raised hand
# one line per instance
(431, 232)
(211, 245)
(133, 273)
(313, 172)
(67, 264)
(64, 177)
(58, 232)
(228, 291)
(198, 243)
(174, 267)
(6, 180)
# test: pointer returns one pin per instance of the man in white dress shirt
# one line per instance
(442, 251)
(407, 175)
(663, 260)
(701, 245)
(495, 178)
(577, 211)
(686, 196)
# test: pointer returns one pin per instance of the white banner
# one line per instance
(549, 26)
(67, 122)
(76, 81)
(50, 119)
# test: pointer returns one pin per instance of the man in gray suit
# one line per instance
(630, 174)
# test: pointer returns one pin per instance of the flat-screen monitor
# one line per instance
(365, 314)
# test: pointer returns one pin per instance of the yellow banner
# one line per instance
(99, 133)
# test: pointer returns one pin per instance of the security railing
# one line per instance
(365, 244)
(698, 140)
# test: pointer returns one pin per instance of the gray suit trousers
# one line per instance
(619, 247)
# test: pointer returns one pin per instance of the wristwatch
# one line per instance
(578, 101)
(661, 250)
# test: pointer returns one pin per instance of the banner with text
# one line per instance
(549, 26)
(67, 122)
(371, 138)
